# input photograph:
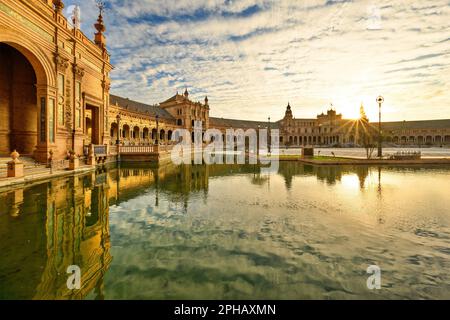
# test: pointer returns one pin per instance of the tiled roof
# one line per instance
(240, 124)
(131, 105)
(424, 124)
(172, 99)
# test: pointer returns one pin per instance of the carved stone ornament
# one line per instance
(61, 62)
(78, 71)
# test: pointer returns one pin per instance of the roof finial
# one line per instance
(99, 26)
(206, 100)
(186, 93)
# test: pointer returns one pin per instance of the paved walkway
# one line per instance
(40, 174)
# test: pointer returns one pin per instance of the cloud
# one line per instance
(252, 57)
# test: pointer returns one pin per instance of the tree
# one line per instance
(367, 133)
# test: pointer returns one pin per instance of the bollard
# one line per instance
(15, 167)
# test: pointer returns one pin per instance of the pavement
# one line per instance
(40, 174)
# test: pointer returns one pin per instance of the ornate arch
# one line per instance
(42, 65)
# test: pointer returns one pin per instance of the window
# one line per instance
(61, 99)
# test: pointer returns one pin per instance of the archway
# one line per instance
(126, 132)
(18, 103)
(136, 133)
(88, 126)
(43, 139)
(145, 133)
(352, 139)
(114, 133)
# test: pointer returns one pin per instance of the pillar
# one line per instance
(46, 139)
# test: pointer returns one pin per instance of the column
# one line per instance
(46, 139)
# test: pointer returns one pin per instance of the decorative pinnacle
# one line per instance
(99, 25)
(100, 6)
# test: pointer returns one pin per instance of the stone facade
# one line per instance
(331, 129)
(54, 90)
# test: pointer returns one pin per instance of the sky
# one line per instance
(253, 57)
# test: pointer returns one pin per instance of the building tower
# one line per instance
(288, 115)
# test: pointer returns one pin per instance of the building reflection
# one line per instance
(330, 175)
(49, 227)
(46, 228)
(178, 183)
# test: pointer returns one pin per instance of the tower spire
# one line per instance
(288, 113)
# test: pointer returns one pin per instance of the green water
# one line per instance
(229, 232)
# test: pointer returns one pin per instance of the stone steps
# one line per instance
(27, 161)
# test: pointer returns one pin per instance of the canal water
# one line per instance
(229, 232)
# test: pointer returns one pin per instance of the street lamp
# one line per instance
(157, 130)
(380, 101)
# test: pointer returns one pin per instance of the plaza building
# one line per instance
(55, 97)
(331, 129)
(54, 81)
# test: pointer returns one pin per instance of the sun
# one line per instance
(350, 112)
(350, 106)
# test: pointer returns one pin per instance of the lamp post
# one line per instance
(380, 101)
(157, 130)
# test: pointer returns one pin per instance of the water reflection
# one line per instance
(46, 228)
(184, 230)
